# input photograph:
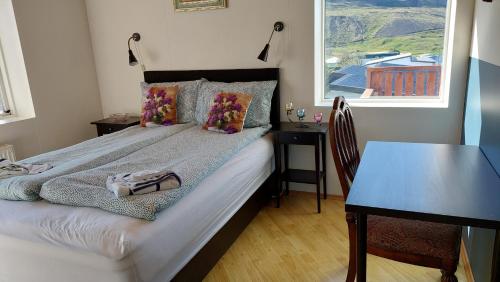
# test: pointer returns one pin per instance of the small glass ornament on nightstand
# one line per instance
(289, 111)
(301, 114)
(119, 117)
(317, 118)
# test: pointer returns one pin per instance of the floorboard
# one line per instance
(294, 243)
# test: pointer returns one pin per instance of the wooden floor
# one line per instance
(294, 243)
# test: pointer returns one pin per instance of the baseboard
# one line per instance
(465, 260)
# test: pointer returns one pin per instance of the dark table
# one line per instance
(452, 184)
(110, 125)
(292, 134)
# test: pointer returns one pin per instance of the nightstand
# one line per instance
(290, 134)
(110, 125)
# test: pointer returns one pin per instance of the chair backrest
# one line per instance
(344, 144)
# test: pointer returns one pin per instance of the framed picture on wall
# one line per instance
(198, 5)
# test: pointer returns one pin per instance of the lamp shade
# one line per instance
(132, 60)
(263, 55)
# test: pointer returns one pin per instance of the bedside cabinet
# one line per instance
(291, 134)
(110, 125)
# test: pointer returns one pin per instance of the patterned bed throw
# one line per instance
(83, 156)
(192, 154)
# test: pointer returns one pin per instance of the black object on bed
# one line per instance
(201, 264)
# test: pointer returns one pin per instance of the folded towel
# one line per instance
(142, 178)
(147, 175)
(9, 169)
(128, 184)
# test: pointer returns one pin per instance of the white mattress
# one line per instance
(44, 242)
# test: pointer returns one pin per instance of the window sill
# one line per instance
(4, 120)
(392, 103)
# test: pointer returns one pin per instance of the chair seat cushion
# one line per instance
(414, 237)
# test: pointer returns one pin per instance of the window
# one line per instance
(15, 93)
(381, 51)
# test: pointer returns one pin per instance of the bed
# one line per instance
(41, 241)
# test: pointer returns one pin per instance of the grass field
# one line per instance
(418, 43)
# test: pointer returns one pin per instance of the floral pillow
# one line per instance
(186, 97)
(259, 112)
(159, 106)
(227, 113)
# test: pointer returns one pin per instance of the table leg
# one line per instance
(287, 183)
(318, 174)
(361, 247)
(495, 266)
(277, 158)
(323, 160)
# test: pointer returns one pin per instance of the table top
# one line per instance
(129, 120)
(311, 127)
(453, 184)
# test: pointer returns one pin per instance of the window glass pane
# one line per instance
(383, 47)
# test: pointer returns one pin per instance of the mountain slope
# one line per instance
(353, 30)
(398, 27)
(389, 3)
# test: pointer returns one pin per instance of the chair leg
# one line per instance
(351, 225)
(448, 273)
(448, 277)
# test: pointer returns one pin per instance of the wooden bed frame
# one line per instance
(201, 264)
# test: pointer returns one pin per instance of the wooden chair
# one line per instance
(410, 241)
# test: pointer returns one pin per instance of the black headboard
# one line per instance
(229, 75)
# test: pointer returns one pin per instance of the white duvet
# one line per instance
(151, 251)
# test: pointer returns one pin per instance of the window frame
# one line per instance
(5, 93)
(401, 102)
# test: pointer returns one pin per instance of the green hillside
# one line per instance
(389, 3)
(353, 30)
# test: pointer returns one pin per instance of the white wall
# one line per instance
(485, 39)
(55, 42)
(481, 125)
(232, 38)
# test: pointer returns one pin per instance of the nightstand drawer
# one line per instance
(107, 129)
(297, 138)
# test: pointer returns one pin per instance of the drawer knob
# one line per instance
(295, 137)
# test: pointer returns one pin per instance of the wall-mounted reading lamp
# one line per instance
(132, 60)
(278, 26)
